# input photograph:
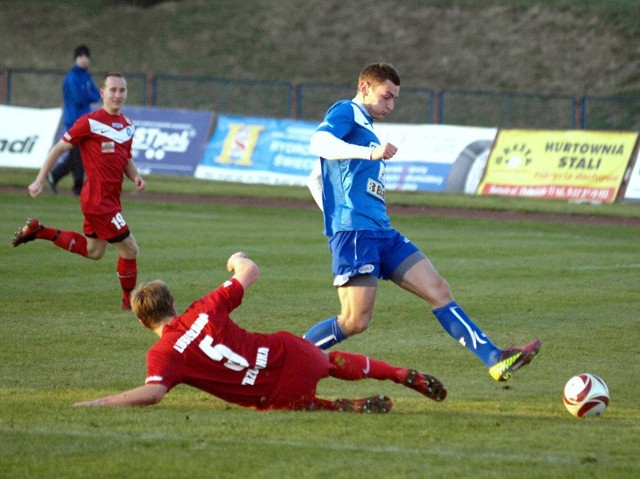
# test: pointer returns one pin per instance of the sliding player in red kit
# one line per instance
(105, 139)
(205, 349)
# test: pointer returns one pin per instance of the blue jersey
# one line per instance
(353, 191)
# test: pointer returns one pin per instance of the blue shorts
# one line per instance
(378, 253)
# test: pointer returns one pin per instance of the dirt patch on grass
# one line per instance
(396, 210)
(393, 209)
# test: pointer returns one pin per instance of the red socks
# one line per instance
(68, 240)
(352, 367)
(127, 270)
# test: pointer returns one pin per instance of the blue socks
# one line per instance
(453, 319)
(456, 322)
(326, 333)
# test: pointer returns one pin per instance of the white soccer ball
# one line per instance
(586, 395)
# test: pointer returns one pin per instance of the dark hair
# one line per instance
(112, 74)
(377, 73)
(81, 50)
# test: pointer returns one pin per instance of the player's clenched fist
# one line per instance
(384, 152)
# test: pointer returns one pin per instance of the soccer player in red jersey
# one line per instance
(205, 349)
(104, 137)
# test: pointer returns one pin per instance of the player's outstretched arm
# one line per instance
(243, 269)
(54, 154)
(142, 396)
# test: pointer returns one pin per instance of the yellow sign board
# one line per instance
(566, 164)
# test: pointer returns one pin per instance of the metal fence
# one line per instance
(243, 97)
(610, 113)
(43, 88)
(513, 110)
(309, 101)
(415, 105)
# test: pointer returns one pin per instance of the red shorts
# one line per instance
(305, 366)
(110, 227)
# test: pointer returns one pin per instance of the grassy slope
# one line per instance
(558, 46)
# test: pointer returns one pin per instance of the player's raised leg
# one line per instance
(422, 279)
(68, 240)
(354, 367)
(501, 362)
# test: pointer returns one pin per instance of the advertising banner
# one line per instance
(270, 151)
(258, 150)
(633, 187)
(569, 165)
(436, 157)
(168, 141)
(27, 135)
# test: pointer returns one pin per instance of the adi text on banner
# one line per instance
(26, 135)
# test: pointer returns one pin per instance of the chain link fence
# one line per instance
(309, 101)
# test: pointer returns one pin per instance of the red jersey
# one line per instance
(204, 348)
(105, 146)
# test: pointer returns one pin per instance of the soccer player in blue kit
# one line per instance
(349, 186)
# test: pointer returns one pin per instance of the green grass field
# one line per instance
(64, 339)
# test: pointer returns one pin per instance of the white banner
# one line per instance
(633, 187)
(27, 135)
(436, 157)
(265, 150)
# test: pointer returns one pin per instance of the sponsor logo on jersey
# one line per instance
(119, 136)
(108, 147)
(376, 189)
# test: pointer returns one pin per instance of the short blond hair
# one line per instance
(377, 73)
(152, 302)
